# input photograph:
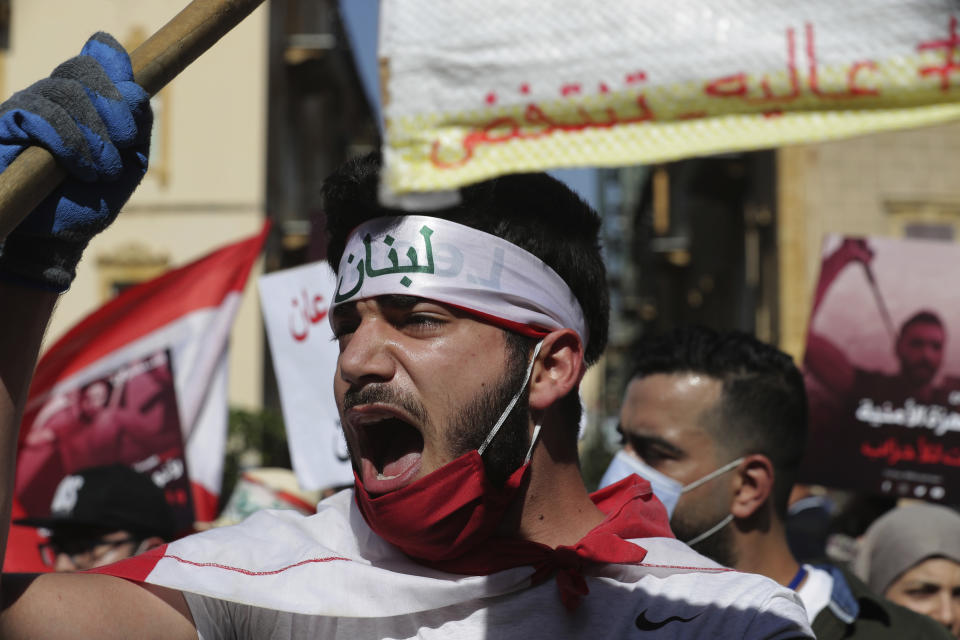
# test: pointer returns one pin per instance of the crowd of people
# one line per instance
(459, 400)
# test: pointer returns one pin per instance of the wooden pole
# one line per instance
(35, 173)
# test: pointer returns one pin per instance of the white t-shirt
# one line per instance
(815, 591)
(282, 575)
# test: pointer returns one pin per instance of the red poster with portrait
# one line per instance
(882, 367)
(128, 415)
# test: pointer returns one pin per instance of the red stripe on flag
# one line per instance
(198, 285)
(206, 504)
(257, 574)
(136, 568)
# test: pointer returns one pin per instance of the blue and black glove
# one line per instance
(96, 121)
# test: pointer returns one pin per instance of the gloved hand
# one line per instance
(96, 121)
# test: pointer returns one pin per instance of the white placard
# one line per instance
(295, 303)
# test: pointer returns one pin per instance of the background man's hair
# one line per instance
(921, 317)
(763, 405)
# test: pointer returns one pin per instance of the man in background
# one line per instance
(101, 515)
(717, 423)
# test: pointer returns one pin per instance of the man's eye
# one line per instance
(924, 591)
(651, 452)
(342, 330)
(421, 321)
(653, 455)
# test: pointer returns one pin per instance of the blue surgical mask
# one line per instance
(667, 490)
(664, 487)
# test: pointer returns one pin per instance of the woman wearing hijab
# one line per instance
(911, 555)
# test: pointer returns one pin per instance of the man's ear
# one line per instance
(754, 486)
(558, 369)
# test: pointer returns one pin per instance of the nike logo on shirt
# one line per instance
(648, 625)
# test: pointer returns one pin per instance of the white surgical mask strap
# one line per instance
(533, 441)
(713, 474)
(712, 530)
(513, 402)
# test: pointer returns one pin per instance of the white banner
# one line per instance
(477, 89)
(295, 303)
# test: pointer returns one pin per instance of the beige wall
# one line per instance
(206, 185)
(862, 186)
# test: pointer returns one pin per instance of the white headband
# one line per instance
(458, 265)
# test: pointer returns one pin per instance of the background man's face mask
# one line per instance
(667, 490)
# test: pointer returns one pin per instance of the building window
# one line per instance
(128, 265)
(924, 220)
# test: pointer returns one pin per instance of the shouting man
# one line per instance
(463, 334)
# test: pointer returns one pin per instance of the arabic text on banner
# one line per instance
(479, 89)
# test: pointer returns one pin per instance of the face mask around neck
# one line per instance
(447, 512)
(667, 490)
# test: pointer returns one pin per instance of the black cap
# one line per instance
(113, 498)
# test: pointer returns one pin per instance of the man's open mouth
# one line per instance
(390, 449)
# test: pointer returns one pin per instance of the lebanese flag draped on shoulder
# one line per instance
(180, 320)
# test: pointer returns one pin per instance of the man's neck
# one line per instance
(556, 508)
(766, 553)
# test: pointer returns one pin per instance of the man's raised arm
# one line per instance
(96, 121)
(25, 316)
(824, 359)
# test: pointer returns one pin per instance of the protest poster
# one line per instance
(523, 85)
(186, 313)
(128, 416)
(295, 303)
(882, 367)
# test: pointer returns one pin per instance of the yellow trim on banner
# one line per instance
(650, 143)
(638, 124)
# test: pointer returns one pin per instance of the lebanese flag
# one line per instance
(188, 313)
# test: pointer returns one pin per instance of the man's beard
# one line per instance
(472, 424)
(718, 547)
(921, 374)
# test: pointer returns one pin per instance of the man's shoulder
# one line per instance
(876, 617)
(675, 582)
(681, 568)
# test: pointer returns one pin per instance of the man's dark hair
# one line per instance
(533, 211)
(920, 317)
(763, 405)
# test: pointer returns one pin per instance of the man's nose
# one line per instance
(954, 624)
(945, 612)
(367, 355)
